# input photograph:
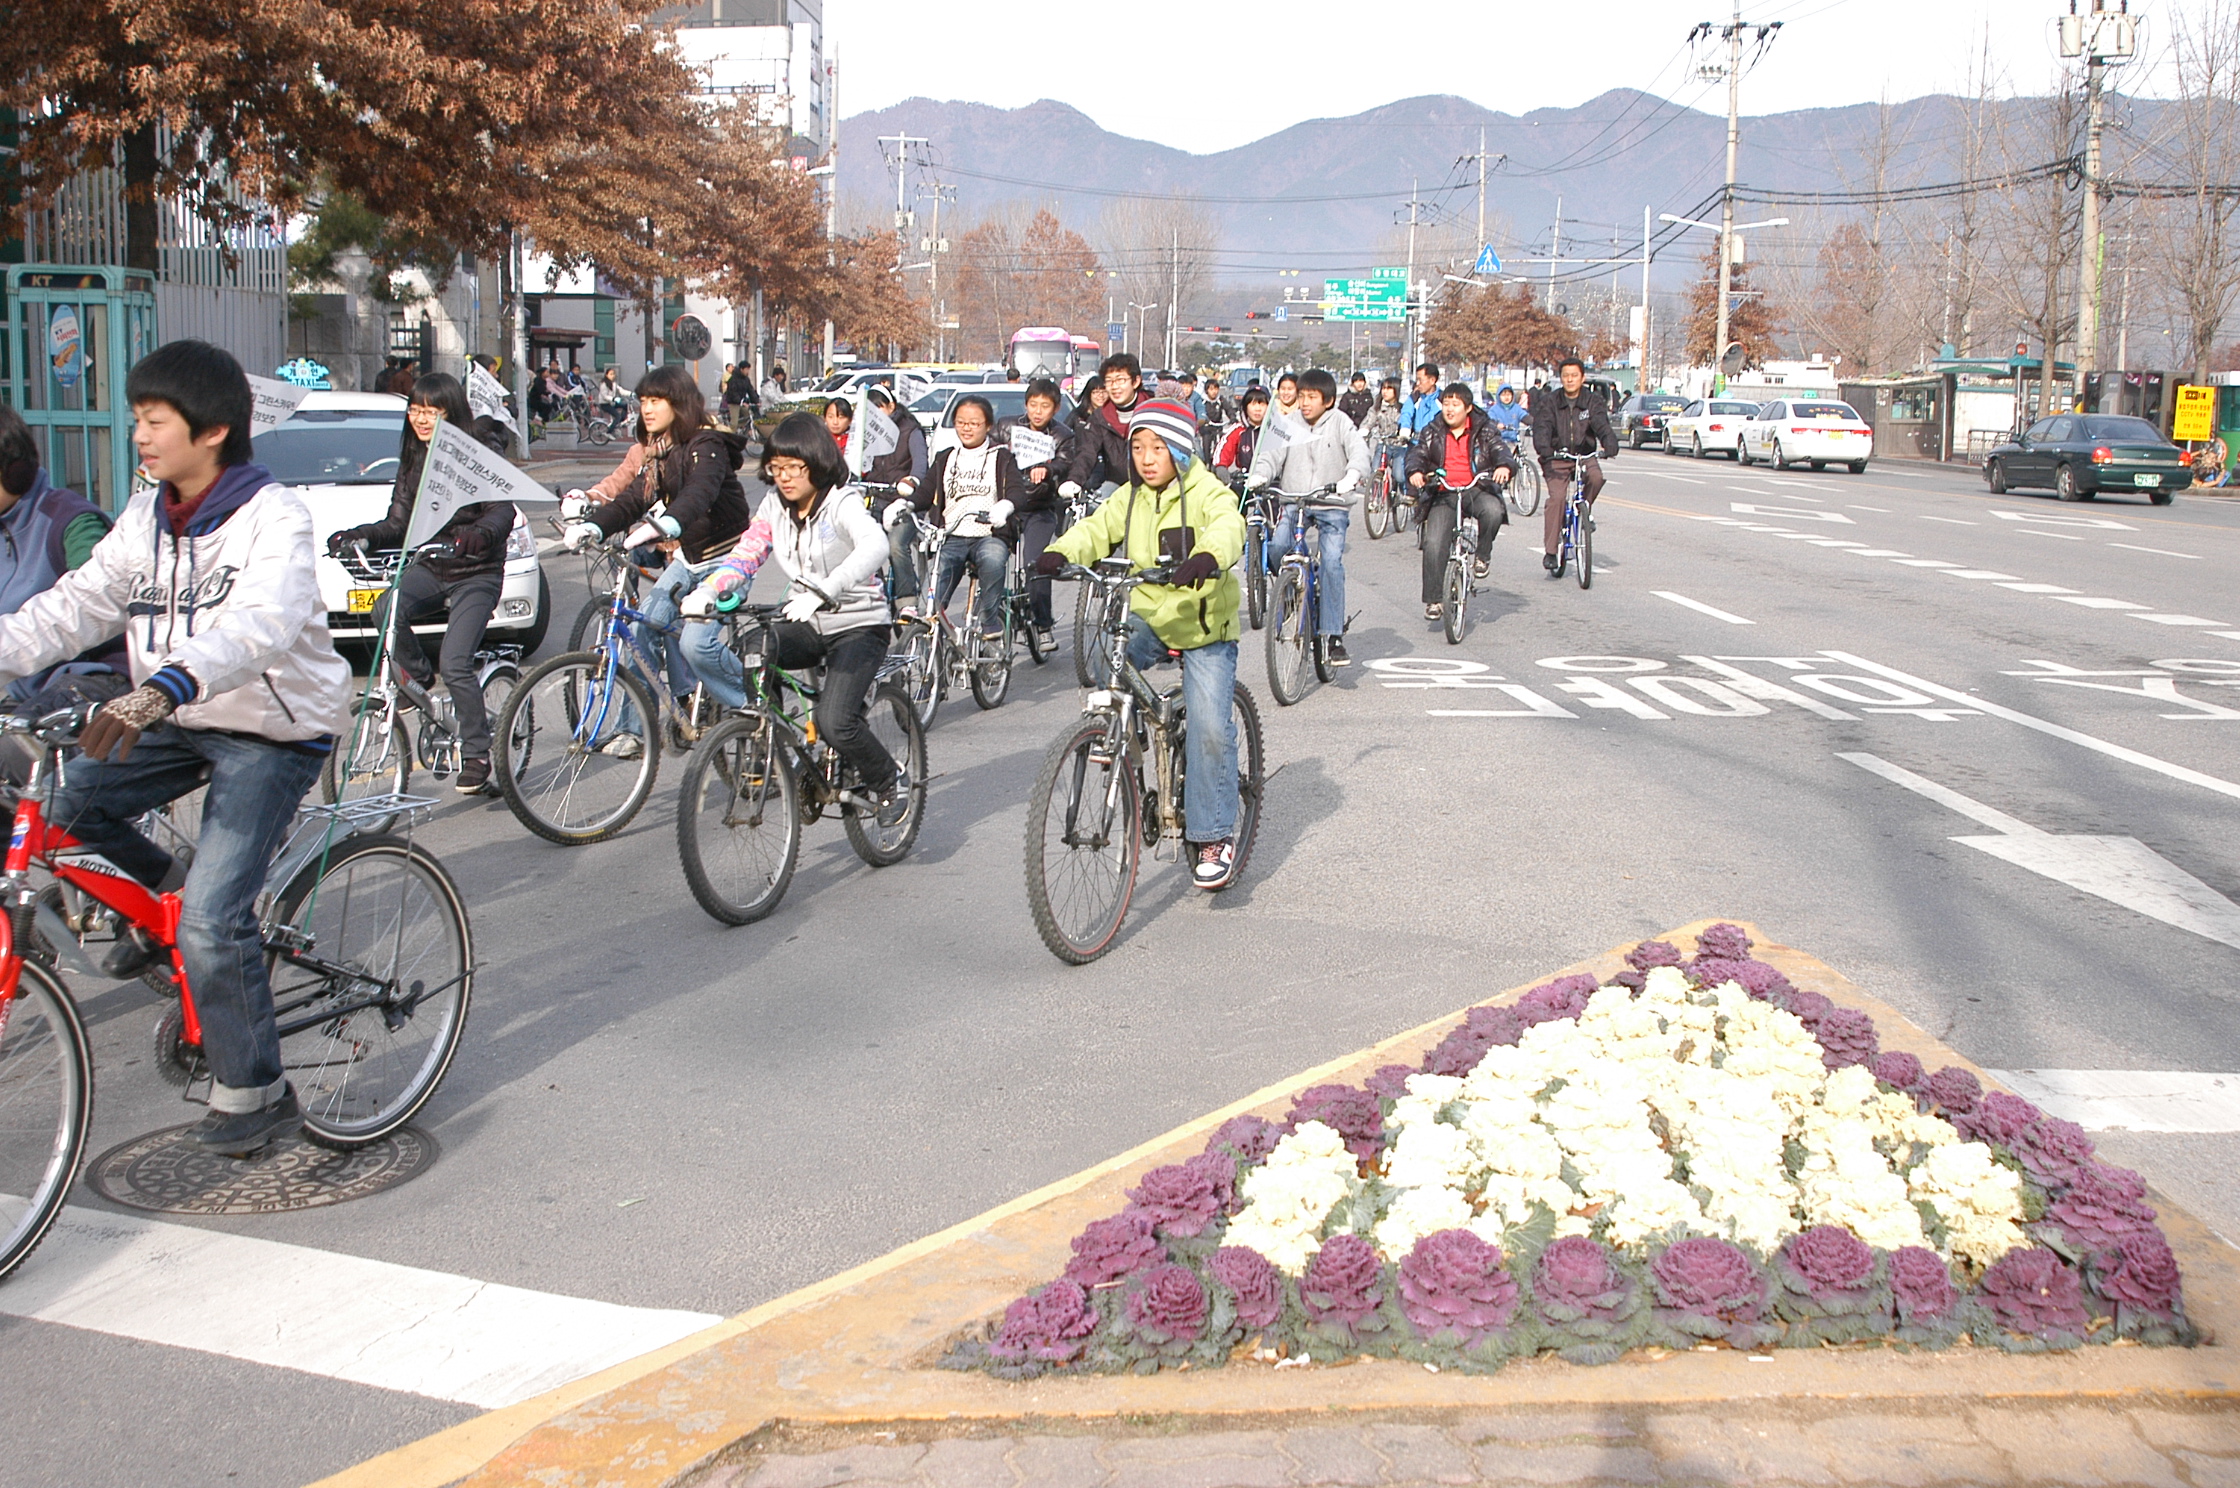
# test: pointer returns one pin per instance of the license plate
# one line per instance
(362, 601)
(2146, 480)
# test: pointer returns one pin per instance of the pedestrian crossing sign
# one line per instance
(1489, 262)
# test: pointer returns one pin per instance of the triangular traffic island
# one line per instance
(1694, 1171)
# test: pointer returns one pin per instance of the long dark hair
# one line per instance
(672, 383)
(447, 395)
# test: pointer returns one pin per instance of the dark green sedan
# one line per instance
(2081, 455)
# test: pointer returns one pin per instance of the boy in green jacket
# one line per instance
(1176, 512)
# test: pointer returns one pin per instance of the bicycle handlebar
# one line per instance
(1096, 574)
(60, 727)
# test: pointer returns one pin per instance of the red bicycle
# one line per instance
(367, 945)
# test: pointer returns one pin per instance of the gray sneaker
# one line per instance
(894, 802)
(247, 1133)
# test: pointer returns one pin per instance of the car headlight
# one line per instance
(519, 542)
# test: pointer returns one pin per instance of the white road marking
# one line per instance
(1978, 573)
(1927, 563)
(369, 1322)
(2037, 589)
(1687, 479)
(1880, 553)
(1883, 468)
(2035, 532)
(2043, 726)
(2226, 635)
(1802, 485)
(1701, 608)
(2095, 602)
(2121, 870)
(1849, 506)
(1955, 521)
(2132, 1100)
(2165, 552)
(1789, 513)
(2177, 620)
(2061, 519)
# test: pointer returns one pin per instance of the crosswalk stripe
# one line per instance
(2133, 1100)
(345, 1317)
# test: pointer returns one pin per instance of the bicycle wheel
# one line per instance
(1084, 832)
(1255, 580)
(553, 763)
(1402, 513)
(590, 623)
(1455, 600)
(1289, 637)
(46, 1105)
(498, 688)
(372, 966)
(894, 725)
(1023, 619)
(991, 668)
(1376, 507)
(1527, 490)
(1244, 719)
(374, 759)
(739, 819)
(1586, 546)
(1086, 634)
(922, 674)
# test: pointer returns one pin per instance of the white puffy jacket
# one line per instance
(235, 604)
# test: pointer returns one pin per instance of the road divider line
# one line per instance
(2164, 552)
(1945, 796)
(2041, 532)
(2132, 1100)
(344, 1317)
(2044, 726)
(2100, 602)
(1955, 521)
(1853, 506)
(1700, 607)
(2177, 619)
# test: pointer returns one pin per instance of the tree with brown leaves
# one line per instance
(1751, 320)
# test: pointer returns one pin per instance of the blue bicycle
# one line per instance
(1259, 552)
(1294, 602)
(1577, 541)
(579, 742)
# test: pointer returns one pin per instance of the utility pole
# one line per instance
(1174, 292)
(1732, 33)
(1408, 300)
(1641, 383)
(900, 158)
(1481, 156)
(938, 192)
(1555, 255)
(2123, 312)
(2100, 37)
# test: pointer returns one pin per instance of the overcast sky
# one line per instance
(1213, 74)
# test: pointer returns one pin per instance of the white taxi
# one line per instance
(1708, 426)
(1806, 431)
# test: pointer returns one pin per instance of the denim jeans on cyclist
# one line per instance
(1330, 528)
(660, 609)
(988, 557)
(1558, 469)
(1035, 531)
(902, 560)
(1209, 728)
(255, 787)
(1436, 509)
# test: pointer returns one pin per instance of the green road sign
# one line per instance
(1394, 272)
(1365, 299)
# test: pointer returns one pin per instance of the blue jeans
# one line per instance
(1209, 728)
(707, 646)
(659, 606)
(1330, 604)
(988, 556)
(255, 787)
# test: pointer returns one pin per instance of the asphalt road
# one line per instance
(657, 1112)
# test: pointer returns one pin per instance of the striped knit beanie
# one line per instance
(1173, 423)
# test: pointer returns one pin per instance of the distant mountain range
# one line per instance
(1344, 183)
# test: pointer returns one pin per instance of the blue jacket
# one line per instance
(32, 558)
(1418, 412)
(1510, 416)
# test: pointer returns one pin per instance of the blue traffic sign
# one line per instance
(1489, 262)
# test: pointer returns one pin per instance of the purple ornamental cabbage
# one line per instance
(1220, 1170)
(1481, 1029)
(1390, 1082)
(1179, 1200)
(1351, 1112)
(1763, 982)
(1725, 941)
(1900, 1070)
(1110, 1249)
(1049, 1326)
(1565, 997)
(1832, 1287)
(1955, 1091)
(1651, 954)
(1810, 1008)
(2102, 1207)
(1928, 1304)
(1250, 1137)
(1710, 1288)
(1847, 1037)
(2031, 1295)
(1168, 1305)
(1998, 1117)
(1344, 1283)
(2053, 1152)
(2140, 1277)
(1590, 1308)
(1455, 1289)
(1259, 1290)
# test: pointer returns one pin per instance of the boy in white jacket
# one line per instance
(209, 578)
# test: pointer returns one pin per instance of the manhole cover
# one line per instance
(167, 1173)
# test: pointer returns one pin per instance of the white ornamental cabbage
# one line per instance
(1291, 1193)
(1979, 1201)
(1418, 1212)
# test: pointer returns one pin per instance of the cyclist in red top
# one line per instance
(1466, 447)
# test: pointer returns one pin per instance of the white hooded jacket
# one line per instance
(235, 604)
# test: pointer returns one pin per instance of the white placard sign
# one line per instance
(459, 473)
(880, 436)
(272, 402)
(1031, 447)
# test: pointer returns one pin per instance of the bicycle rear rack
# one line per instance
(358, 811)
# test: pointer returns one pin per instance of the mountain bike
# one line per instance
(960, 655)
(1526, 489)
(1386, 507)
(579, 741)
(762, 773)
(1577, 540)
(1294, 604)
(1114, 784)
(366, 941)
(1088, 618)
(382, 746)
(1460, 579)
(1259, 523)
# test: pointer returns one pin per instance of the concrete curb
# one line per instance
(855, 1348)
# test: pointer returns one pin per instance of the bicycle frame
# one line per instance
(767, 685)
(1131, 700)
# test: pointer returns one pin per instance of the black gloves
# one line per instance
(1048, 563)
(469, 542)
(1195, 570)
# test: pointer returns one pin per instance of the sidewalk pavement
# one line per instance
(2132, 1442)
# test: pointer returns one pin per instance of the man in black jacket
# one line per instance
(1568, 421)
(1356, 401)
(1466, 449)
(1104, 434)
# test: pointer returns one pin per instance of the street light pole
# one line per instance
(1732, 34)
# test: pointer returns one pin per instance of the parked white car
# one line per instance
(339, 452)
(1807, 431)
(1708, 426)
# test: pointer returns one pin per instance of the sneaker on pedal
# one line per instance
(1336, 651)
(1433, 612)
(133, 954)
(623, 747)
(247, 1133)
(1047, 636)
(1216, 865)
(1480, 569)
(474, 777)
(894, 803)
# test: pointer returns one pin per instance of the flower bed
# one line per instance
(1697, 1154)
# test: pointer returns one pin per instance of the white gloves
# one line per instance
(1348, 481)
(581, 535)
(802, 608)
(999, 514)
(897, 513)
(1069, 489)
(573, 505)
(699, 604)
(906, 486)
(641, 535)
